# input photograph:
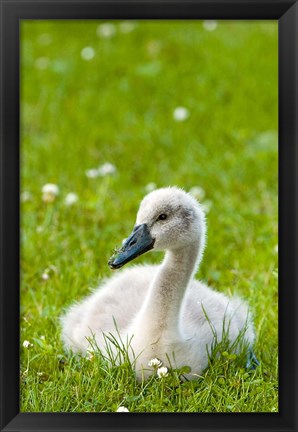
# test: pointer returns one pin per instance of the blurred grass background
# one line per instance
(94, 92)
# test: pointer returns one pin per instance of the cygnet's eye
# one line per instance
(162, 216)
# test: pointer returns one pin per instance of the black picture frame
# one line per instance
(286, 12)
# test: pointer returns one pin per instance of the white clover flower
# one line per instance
(150, 187)
(106, 169)
(122, 409)
(92, 173)
(155, 363)
(49, 192)
(162, 372)
(210, 25)
(26, 196)
(197, 192)
(42, 63)
(180, 114)
(106, 30)
(127, 26)
(27, 344)
(71, 198)
(87, 53)
(45, 276)
(50, 188)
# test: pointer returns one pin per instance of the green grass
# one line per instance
(118, 108)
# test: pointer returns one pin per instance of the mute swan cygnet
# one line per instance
(160, 309)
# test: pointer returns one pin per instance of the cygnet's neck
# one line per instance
(160, 312)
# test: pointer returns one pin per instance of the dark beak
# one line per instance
(139, 242)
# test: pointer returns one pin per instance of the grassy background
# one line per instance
(118, 107)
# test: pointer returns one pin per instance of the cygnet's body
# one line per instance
(161, 310)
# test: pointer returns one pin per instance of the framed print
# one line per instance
(160, 137)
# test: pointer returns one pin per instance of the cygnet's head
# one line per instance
(168, 219)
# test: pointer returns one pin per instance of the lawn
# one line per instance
(94, 93)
